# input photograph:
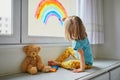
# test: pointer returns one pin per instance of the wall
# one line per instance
(110, 49)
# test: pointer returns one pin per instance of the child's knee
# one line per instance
(68, 51)
(71, 52)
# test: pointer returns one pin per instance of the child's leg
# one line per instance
(88, 66)
(69, 51)
(71, 64)
(54, 63)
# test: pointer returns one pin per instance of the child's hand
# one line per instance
(78, 70)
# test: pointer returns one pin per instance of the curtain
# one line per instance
(91, 13)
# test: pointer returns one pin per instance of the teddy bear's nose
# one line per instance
(33, 53)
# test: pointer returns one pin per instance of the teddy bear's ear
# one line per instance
(63, 19)
(38, 49)
(25, 48)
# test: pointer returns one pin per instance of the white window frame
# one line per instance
(15, 37)
(36, 39)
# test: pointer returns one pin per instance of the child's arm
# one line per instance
(82, 62)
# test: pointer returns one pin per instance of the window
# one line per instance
(41, 20)
(9, 21)
(5, 17)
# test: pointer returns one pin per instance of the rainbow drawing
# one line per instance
(48, 8)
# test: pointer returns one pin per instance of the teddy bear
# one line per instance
(33, 62)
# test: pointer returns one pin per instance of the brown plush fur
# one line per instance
(33, 62)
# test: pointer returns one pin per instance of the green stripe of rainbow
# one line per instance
(47, 8)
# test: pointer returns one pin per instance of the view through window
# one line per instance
(5, 17)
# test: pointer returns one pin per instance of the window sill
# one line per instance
(100, 66)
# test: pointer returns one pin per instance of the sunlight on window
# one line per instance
(5, 17)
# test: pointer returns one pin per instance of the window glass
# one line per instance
(5, 17)
(45, 16)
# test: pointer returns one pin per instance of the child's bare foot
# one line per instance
(53, 63)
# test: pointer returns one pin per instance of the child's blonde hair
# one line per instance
(74, 28)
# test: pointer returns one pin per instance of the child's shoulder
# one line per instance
(82, 41)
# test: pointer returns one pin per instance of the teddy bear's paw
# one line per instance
(47, 69)
(33, 70)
